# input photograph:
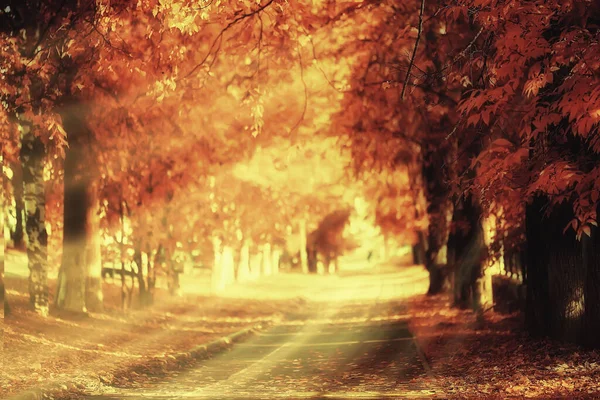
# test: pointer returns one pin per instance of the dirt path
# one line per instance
(348, 348)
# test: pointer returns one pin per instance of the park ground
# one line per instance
(464, 357)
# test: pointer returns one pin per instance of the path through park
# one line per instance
(357, 344)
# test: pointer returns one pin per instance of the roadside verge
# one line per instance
(495, 358)
(151, 367)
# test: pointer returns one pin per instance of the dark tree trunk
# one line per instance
(79, 287)
(173, 273)
(591, 326)
(562, 277)
(537, 308)
(437, 279)
(439, 208)
(32, 160)
(17, 235)
(436, 261)
(126, 289)
(419, 249)
(5, 307)
(142, 286)
(173, 267)
(303, 246)
(71, 293)
(311, 252)
(312, 259)
(467, 251)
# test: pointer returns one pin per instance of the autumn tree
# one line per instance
(539, 108)
(31, 85)
(499, 82)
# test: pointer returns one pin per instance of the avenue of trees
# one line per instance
(462, 117)
(492, 107)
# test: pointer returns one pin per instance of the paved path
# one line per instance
(360, 349)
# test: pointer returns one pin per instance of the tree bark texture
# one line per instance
(275, 256)
(93, 259)
(419, 249)
(468, 251)
(5, 308)
(563, 276)
(303, 247)
(311, 252)
(34, 196)
(17, 235)
(147, 299)
(80, 270)
(439, 209)
(71, 291)
(137, 260)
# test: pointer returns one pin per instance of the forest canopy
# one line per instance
(470, 125)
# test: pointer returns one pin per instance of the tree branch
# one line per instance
(219, 37)
(464, 51)
(297, 124)
(414, 54)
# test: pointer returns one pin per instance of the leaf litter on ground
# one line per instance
(497, 358)
(85, 355)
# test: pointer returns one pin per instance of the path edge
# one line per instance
(423, 358)
(197, 353)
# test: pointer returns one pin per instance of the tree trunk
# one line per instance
(71, 290)
(80, 270)
(439, 211)
(93, 257)
(311, 252)
(437, 244)
(126, 290)
(266, 260)
(5, 308)
(562, 276)
(419, 248)
(537, 308)
(303, 248)
(469, 252)
(275, 255)
(417, 186)
(148, 298)
(243, 272)
(32, 160)
(591, 326)
(160, 262)
(137, 259)
(175, 269)
(17, 183)
(228, 266)
(174, 266)
(217, 278)
(483, 298)
(437, 279)
(255, 265)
